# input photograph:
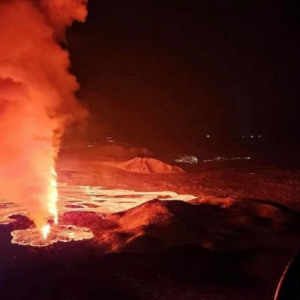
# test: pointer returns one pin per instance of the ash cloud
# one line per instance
(62, 13)
(37, 99)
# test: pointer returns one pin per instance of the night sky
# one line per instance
(173, 71)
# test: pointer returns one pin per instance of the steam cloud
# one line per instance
(37, 97)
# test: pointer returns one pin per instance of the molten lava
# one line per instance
(52, 203)
(46, 230)
(78, 199)
(59, 233)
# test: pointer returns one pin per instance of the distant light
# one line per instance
(109, 139)
(221, 159)
(187, 159)
(259, 136)
(252, 136)
(208, 136)
(243, 136)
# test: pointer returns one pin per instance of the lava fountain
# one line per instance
(37, 101)
(53, 197)
(52, 204)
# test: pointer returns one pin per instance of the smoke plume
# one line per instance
(37, 98)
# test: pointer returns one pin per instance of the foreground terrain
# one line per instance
(231, 241)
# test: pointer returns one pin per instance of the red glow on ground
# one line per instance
(79, 199)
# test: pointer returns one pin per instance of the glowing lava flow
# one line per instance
(77, 199)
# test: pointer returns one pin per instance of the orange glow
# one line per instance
(52, 197)
(59, 233)
(46, 230)
(51, 203)
(81, 199)
(37, 102)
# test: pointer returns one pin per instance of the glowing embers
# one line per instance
(59, 233)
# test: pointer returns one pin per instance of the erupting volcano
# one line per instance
(37, 101)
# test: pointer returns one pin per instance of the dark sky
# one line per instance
(173, 71)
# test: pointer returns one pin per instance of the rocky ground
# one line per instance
(232, 242)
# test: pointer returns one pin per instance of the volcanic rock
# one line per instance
(243, 224)
(146, 165)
